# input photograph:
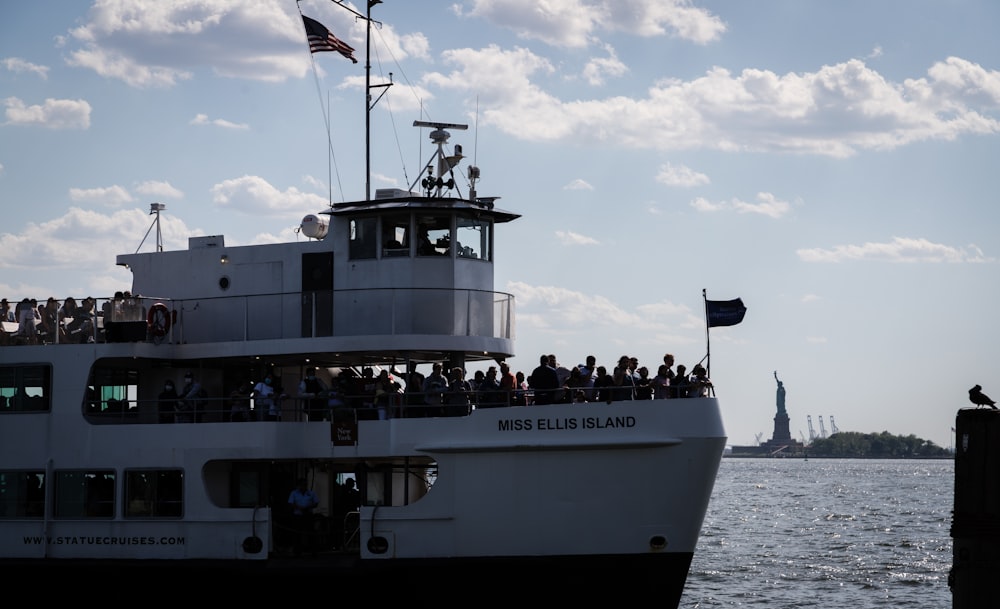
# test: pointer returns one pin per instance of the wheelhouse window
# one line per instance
(25, 388)
(473, 238)
(363, 238)
(434, 235)
(396, 235)
(22, 494)
(85, 494)
(154, 493)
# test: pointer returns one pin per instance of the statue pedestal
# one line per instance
(781, 432)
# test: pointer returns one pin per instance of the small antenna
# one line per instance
(154, 209)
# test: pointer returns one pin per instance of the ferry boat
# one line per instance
(98, 470)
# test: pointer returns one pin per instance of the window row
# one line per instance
(150, 493)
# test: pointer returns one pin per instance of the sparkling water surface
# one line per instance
(851, 533)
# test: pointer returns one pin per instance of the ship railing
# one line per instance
(349, 408)
(282, 315)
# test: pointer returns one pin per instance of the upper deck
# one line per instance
(381, 283)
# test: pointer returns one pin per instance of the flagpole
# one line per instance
(708, 342)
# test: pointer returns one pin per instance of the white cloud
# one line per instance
(18, 66)
(578, 184)
(254, 195)
(117, 65)
(567, 23)
(569, 309)
(681, 176)
(597, 69)
(111, 196)
(202, 119)
(53, 114)
(571, 238)
(388, 181)
(561, 315)
(147, 43)
(84, 241)
(163, 190)
(898, 249)
(766, 205)
(577, 23)
(835, 111)
(154, 44)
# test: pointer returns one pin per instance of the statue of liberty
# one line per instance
(781, 394)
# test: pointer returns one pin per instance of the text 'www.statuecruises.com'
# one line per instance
(105, 540)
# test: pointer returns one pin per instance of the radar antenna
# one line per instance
(445, 164)
(154, 209)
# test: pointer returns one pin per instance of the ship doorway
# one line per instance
(317, 294)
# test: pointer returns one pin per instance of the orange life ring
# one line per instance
(158, 320)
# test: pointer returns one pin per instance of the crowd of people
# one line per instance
(447, 392)
(29, 322)
(388, 393)
(552, 383)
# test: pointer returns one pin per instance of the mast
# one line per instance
(368, 100)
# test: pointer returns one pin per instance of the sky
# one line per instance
(833, 164)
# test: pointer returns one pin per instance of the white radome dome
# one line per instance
(313, 227)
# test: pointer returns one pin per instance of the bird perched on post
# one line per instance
(977, 397)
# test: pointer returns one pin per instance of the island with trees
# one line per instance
(853, 445)
(856, 445)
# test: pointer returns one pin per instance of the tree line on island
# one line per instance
(857, 445)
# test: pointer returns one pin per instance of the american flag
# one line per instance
(320, 39)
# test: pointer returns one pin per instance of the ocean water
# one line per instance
(846, 533)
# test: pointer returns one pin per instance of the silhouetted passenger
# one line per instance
(167, 402)
(543, 381)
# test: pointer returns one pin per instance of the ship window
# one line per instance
(396, 235)
(363, 233)
(25, 388)
(112, 392)
(85, 494)
(22, 494)
(473, 236)
(154, 493)
(434, 235)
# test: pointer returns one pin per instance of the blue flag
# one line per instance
(724, 312)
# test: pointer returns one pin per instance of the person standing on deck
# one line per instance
(314, 391)
(544, 381)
